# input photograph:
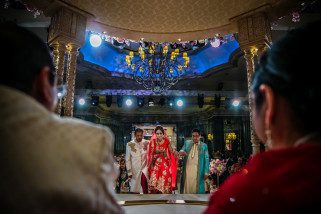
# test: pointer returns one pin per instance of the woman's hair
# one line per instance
(291, 69)
(160, 128)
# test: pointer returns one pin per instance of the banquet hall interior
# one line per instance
(181, 64)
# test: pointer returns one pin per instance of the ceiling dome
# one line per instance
(170, 20)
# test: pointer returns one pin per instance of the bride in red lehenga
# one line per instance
(161, 162)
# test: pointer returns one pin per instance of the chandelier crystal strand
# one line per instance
(156, 66)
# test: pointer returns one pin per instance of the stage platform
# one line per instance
(163, 203)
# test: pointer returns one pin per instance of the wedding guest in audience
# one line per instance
(122, 182)
(237, 166)
(48, 164)
(285, 89)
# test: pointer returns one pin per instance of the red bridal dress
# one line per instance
(162, 167)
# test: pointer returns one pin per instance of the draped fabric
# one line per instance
(162, 167)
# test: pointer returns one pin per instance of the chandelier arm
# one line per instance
(157, 67)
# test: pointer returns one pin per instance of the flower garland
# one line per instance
(123, 43)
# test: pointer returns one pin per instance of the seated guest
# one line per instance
(237, 166)
(48, 164)
(286, 117)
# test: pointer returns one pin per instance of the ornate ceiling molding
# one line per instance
(161, 21)
(161, 36)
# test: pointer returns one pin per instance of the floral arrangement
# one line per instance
(217, 166)
(210, 136)
(229, 138)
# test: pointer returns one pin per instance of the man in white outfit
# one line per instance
(136, 153)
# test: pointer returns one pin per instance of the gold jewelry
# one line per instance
(268, 134)
(160, 143)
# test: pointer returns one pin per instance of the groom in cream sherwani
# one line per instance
(136, 153)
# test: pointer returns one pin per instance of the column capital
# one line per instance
(73, 48)
(254, 31)
(67, 26)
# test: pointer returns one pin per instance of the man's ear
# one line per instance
(43, 91)
(270, 104)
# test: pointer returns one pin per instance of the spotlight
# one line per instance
(119, 101)
(94, 100)
(179, 103)
(217, 101)
(215, 43)
(95, 40)
(140, 101)
(81, 101)
(151, 102)
(109, 100)
(200, 100)
(129, 102)
(170, 101)
(236, 103)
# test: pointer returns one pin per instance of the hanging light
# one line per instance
(95, 40)
(157, 66)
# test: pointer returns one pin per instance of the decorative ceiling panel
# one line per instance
(165, 20)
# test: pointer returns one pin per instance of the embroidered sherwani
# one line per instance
(136, 163)
(195, 167)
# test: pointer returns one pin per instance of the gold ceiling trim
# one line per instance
(164, 21)
(161, 36)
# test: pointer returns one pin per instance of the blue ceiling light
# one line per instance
(81, 101)
(140, 101)
(236, 102)
(129, 102)
(180, 103)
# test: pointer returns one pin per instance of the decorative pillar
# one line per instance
(66, 36)
(249, 57)
(254, 39)
(59, 60)
(70, 79)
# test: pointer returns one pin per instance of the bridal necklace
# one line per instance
(159, 143)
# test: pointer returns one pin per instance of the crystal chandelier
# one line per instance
(157, 66)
